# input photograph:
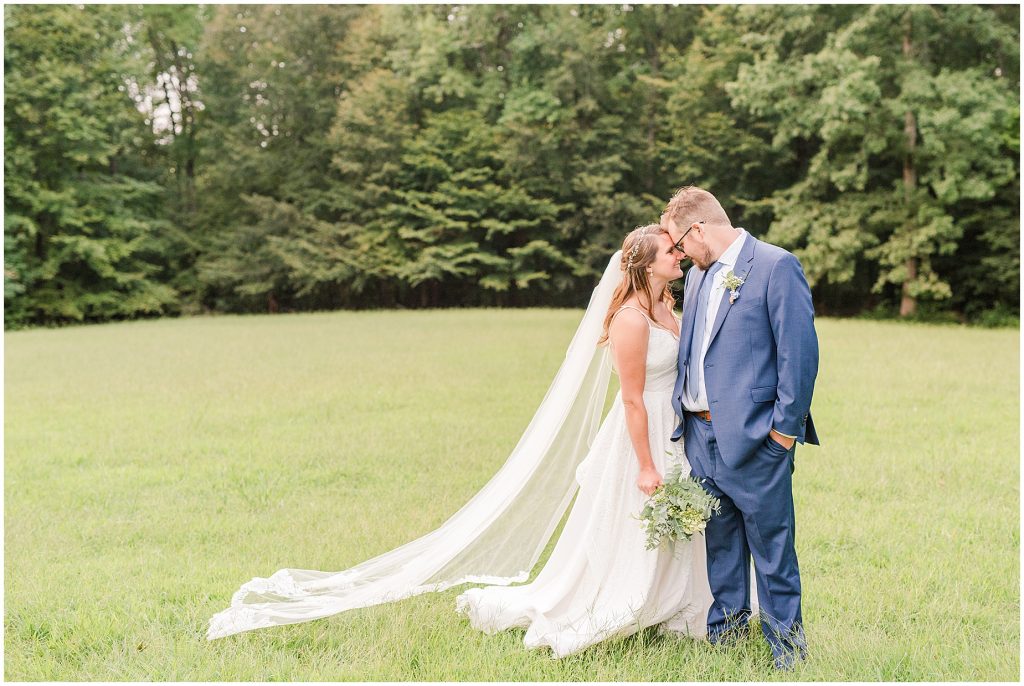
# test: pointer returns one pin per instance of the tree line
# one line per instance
(179, 159)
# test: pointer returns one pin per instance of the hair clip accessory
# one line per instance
(636, 248)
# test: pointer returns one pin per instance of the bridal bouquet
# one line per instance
(677, 510)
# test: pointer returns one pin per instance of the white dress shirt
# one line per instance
(728, 262)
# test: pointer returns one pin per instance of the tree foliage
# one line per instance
(85, 228)
(174, 158)
(896, 138)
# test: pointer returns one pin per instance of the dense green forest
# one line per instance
(180, 159)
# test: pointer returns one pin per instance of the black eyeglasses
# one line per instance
(678, 245)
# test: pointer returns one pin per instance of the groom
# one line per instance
(748, 355)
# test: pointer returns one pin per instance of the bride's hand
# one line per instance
(648, 481)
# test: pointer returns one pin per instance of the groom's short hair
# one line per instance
(691, 204)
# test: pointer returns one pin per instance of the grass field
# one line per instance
(152, 467)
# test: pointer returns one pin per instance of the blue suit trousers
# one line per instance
(757, 518)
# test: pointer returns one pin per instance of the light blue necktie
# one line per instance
(693, 367)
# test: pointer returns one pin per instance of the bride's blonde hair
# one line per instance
(638, 250)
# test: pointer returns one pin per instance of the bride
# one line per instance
(600, 581)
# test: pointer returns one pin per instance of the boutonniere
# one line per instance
(733, 283)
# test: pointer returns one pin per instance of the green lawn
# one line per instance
(152, 467)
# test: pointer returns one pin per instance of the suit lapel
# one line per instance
(744, 263)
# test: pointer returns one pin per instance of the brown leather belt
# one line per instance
(703, 414)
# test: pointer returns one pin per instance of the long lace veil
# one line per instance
(496, 538)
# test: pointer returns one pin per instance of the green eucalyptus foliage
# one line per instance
(676, 511)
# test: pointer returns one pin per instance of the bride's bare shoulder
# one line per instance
(628, 326)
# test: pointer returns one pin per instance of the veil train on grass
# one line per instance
(495, 538)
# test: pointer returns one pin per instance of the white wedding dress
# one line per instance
(600, 581)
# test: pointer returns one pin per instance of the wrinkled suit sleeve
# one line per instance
(791, 314)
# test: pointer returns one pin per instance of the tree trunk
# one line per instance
(908, 303)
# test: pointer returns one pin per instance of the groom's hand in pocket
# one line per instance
(785, 441)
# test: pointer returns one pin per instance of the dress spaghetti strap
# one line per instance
(631, 307)
(650, 322)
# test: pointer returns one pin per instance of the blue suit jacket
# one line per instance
(761, 362)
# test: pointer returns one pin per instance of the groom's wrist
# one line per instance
(782, 439)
